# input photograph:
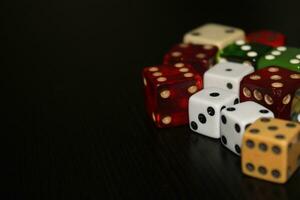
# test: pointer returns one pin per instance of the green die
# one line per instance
(243, 52)
(295, 110)
(285, 57)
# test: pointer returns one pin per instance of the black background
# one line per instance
(73, 101)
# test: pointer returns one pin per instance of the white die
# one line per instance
(235, 119)
(227, 75)
(215, 34)
(205, 110)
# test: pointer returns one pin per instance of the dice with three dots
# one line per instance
(295, 110)
(243, 52)
(267, 37)
(272, 87)
(201, 57)
(271, 149)
(205, 107)
(226, 75)
(167, 91)
(215, 34)
(235, 119)
(285, 57)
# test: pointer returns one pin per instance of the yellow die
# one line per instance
(271, 149)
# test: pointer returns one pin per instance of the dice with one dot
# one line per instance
(167, 91)
(227, 76)
(235, 119)
(285, 57)
(271, 149)
(243, 52)
(295, 110)
(272, 87)
(205, 107)
(201, 57)
(267, 37)
(215, 34)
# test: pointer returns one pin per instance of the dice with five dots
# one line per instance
(167, 91)
(205, 107)
(271, 149)
(267, 37)
(201, 57)
(285, 57)
(295, 110)
(243, 52)
(214, 34)
(227, 76)
(235, 119)
(272, 87)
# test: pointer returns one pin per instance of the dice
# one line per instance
(235, 119)
(167, 91)
(201, 57)
(271, 149)
(243, 52)
(267, 37)
(272, 87)
(295, 110)
(215, 34)
(226, 75)
(205, 107)
(285, 57)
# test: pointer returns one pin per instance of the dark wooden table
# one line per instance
(76, 123)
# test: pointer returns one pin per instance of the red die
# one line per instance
(167, 92)
(266, 37)
(273, 87)
(201, 57)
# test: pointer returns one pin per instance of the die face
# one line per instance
(272, 87)
(204, 110)
(216, 34)
(227, 76)
(295, 110)
(201, 57)
(285, 57)
(167, 90)
(235, 119)
(267, 37)
(270, 149)
(243, 52)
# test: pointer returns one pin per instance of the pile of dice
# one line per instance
(243, 89)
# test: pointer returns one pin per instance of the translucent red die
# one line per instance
(267, 37)
(201, 57)
(167, 91)
(272, 87)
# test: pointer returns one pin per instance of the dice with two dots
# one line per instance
(267, 37)
(214, 34)
(201, 57)
(227, 76)
(271, 149)
(235, 119)
(167, 91)
(272, 87)
(205, 107)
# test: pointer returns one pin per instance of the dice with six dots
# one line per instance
(235, 119)
(267, 37)
(201, 57)
(227, 76)
(271, 149)
(272, 87)
(285, 57)
(205, 107)
(243, 52)
(295, 110)
(215, 34)
(167, 91)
